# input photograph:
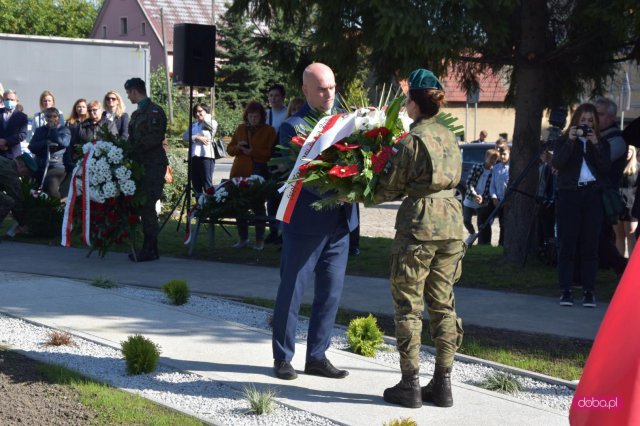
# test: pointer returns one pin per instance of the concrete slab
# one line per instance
(510, 311)
(238, 355)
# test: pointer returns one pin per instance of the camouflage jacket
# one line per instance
(147, 129)
(426, 167)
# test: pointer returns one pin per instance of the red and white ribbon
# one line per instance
(327, 132)
(67, 220)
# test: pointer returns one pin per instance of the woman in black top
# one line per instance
(625, 229)
(582, 162)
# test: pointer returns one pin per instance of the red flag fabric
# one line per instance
(609, 390)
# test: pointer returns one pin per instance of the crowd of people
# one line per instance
(590, 159)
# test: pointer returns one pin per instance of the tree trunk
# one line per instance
(529, 104)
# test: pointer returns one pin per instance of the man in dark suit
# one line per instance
(315, 250)
(13, 126)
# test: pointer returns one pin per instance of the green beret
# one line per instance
(29, 162)
(423, 79)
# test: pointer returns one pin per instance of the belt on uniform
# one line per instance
(587, 183)
(447, 193)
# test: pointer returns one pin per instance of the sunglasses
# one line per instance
(112, 99)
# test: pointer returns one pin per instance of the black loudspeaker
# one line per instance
(194, 54)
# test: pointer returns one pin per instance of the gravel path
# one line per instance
(213, 401)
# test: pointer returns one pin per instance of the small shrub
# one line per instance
(177, 291)
(270, 321)
(104, 283)
(260, 402)
(59, 338)
(141, 354)
(364, 335)
(407, 421)
(501, 382)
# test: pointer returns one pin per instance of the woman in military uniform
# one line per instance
(427, 249)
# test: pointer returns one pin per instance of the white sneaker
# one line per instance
(241, 244)
(259, 245)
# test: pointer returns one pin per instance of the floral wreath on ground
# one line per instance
(233, 198)
(111, 177)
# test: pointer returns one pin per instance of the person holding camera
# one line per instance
(48, 144)
(582, 162)
(203, 157)
(251, 146)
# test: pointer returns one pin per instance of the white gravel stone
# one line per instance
(216, 402)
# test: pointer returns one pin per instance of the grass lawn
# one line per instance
(114, 406)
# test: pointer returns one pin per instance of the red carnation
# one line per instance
(210, 190)
(132, 219)
(373, 133)
(112, 215)
(344, 171)
(380, 159)
(128, 198)
(125, 234)
(112, 201)
(298, 140)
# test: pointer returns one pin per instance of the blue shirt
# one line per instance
(499, 181)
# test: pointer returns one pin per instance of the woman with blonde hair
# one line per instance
(114, 112)
(47, 100)
(626, 227)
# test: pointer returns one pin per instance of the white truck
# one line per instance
(70, 68)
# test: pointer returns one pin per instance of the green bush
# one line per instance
(406, 421)
(177, 291)
(260, 402)
(364, 335)
(501, 382)
(141, 354)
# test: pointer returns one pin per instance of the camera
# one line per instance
(583, 130)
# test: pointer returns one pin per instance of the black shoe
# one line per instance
(324, 368)
(566, 299)
(589, 300)
(283, 370)
(438, 391)
(355, 251)
(406, 393)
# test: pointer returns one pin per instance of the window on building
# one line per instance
(123, 26)
(104, 31)
(143, 28)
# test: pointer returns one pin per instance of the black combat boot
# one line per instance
(405, 393)
(438, 391)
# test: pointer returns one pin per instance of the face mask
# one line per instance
(10, 104)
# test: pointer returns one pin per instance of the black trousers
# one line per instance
(483, 214)
(202, 173)
(579, 215)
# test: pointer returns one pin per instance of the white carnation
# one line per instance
(115, 155)
(110, 190)
(122, 173)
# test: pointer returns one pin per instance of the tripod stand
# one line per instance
(185, 195)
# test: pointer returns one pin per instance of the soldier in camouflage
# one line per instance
(10, 187)
(428, 248)
(147, 129)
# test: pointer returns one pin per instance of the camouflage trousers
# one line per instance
(152, 185)
(425, 270)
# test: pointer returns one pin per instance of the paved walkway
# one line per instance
(511, 311)
(224, 351)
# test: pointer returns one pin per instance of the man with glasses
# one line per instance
(147, 130)
(13, 126)
(48, 144)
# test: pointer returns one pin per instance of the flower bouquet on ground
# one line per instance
(43, 213)
(233, 198)
(104, 201)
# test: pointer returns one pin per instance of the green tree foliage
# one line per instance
(62, 18)
(551, 52)
(242, 76)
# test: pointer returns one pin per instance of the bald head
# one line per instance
(319, 86)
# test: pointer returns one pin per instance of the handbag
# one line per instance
(219, 149)
(613, 205)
